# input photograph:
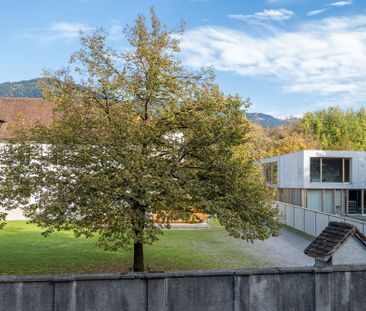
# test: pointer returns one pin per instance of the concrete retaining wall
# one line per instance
(336, 288)
(312, 222)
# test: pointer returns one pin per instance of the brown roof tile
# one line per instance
(31, 109)
(331, 238)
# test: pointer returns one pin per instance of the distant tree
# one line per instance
(258, 143)
(288, 139)
(137, 136)
(267, 142)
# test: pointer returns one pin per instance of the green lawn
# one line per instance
(24, 251)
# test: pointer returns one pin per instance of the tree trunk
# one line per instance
(138, 257)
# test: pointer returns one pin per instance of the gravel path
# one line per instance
(287, 250)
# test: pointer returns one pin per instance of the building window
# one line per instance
(330, 170)
(271, 172)
(314, 169)
(338, 202)
(314, 200)
(347, 163)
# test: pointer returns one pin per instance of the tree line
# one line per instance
(328, 129)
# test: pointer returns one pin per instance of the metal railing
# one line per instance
(312, 222)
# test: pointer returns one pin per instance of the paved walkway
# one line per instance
(287, 250)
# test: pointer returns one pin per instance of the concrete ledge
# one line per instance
(334, 288)
(177, 274)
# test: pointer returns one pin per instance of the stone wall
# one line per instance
(334, 288)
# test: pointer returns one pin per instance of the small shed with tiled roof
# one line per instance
(339, 243)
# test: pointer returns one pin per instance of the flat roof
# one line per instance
(318, 153)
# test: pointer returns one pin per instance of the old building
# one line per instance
(33, 111)
(328, 181)
(339, 243)
(27, 110)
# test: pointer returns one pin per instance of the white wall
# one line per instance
(350, 253)
(290, 169)
(15, 214)
(358, 169)
(294, 169)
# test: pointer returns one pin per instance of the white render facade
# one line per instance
(330, 181)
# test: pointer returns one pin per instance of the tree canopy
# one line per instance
(328, 129)
(136, 134)
(335, 128)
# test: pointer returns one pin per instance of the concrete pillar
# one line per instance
(362, 202)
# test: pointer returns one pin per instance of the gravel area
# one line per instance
(286, 250)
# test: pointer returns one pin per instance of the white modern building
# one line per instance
(328, 181)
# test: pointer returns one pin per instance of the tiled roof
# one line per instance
(32, 110)
(331, 238)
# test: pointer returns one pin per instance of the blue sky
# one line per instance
(288, 56)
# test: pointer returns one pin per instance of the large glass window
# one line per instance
(294, 196)
(314, 169)
(267, 169)
(330, 170)
(347, 170)
(354, 202)
(314, 199)
(329, 201)
(339, 200)
(271, 172)
(274, 173)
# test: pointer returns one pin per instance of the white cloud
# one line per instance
(316, 12)
(274, 15)
(116, 30)
(341, 3)
(69, 30)
(324, 57)
(57, 31)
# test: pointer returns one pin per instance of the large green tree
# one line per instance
(136, 135)
(335, 128)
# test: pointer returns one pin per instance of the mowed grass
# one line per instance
(23, 250)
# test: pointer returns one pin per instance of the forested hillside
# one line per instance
(28, 88)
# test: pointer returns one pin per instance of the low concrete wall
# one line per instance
(312, 222)
(335, 288)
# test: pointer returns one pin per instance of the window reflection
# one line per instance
(314, 169)
(330, 170)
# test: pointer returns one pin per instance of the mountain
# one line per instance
(265, 119)
(27, 88)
